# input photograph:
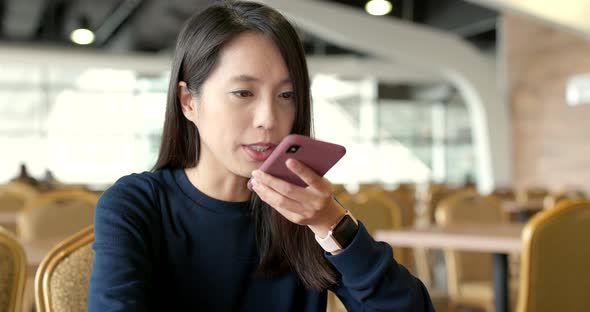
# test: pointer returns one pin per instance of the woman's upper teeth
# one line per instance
(259, 148)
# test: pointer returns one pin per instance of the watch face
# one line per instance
(345, 231)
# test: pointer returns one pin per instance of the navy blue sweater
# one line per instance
(162, 245)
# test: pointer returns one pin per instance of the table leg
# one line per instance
(500, 262)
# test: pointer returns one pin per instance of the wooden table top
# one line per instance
(505, 238)
(516, 207)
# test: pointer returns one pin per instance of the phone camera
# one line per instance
(293, 149)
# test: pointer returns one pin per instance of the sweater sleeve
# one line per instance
(371, 279)
(122, 268)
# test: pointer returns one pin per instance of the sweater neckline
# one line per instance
(206, 201)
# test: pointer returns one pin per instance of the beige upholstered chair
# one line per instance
(555, 257)
(61, 282)
(532, 194)
(372, 207)
(469, 274)
(375, 210)
(378, 209)
(504, 194)
(56, 214)
(339, 189)
(13, 267)
(13, 196)
(434, 195)
(556, 197)
(407, 202)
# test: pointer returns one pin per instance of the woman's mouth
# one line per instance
(259, 151)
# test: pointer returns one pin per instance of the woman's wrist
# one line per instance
(334, 214)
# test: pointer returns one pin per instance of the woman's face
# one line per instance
(246, 106)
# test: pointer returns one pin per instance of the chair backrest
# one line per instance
(44, 216)
(407, 202)
(339, 189)
(375, 210)
(504, 193)
(61, 282)
(14, 196)
(532, 194)
(554, 198)
(13, 268)
(434, 195)
(378, 211)
(555, 258)
(468, 207)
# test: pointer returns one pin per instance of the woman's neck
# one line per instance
(226, 187)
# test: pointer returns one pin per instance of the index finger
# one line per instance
(307, 174)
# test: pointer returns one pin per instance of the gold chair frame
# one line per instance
(20, 269)
(528, 236)
(50, 262)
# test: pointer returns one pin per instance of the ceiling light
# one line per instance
(82, 35)
(378, 7)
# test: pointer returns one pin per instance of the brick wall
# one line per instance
(551, 140)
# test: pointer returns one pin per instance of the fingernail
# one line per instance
(254, 182)
(292, 162)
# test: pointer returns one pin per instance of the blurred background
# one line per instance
(92, 113)
(428, 96)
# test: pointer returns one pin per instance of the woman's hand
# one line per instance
(313, 206)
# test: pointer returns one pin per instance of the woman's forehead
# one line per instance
(252, 57)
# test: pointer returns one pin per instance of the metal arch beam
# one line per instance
(349, 66)
(3, 6)
(429, 50)
(120, 15)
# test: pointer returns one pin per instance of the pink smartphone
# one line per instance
(318, 155)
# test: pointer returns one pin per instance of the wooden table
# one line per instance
(522, 211)
(500, 240)
(8, 220)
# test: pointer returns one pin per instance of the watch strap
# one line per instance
(330, 243)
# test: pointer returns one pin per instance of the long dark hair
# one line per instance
(283, 246)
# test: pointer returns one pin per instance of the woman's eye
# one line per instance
(242, 93)
(287, 95)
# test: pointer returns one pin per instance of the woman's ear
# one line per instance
(187, 101)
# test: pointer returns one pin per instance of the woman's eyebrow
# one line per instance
(248, 78)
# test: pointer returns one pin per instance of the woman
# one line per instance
(191, 236)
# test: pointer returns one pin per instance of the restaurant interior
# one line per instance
(464, 124)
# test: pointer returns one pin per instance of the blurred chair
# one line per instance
(434, 195)
(504, 193)
(427, 260)
(555, 257)
(406, 203)
(406, 199)
(338, 188)
(334, 304)
(378, 209)
(374, 209)
(369, 187)
(56, 214)
(61, 282)
(532, 194)
(13, 269)
(556, 197)
(469, 274)
(14, 195)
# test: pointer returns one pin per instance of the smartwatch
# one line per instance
(340, 235)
